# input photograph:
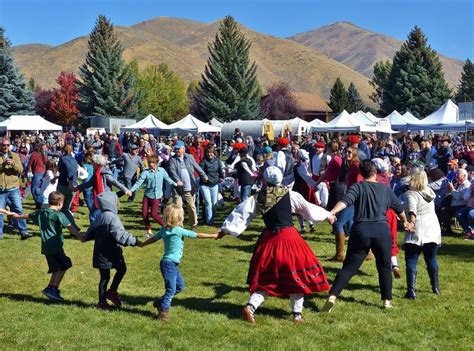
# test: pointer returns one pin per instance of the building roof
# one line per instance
(310, 101)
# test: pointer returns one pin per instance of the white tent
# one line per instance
(317, 123)
(191, 124)
(342, 123)
(371, 116)
(409, 117)
(214, 122)
(447, 115)
(362, 118)
(18, 122)
(149, 122)
(280, 127)
(398, 121)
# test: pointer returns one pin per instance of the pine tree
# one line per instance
(354, 101)
(280, 103)
(15, 98)
(338, 100)
(229, 89)
(105, 87)
(465, 91)
(64, 100)
(416, 81)
(162, 93)
(379, 82)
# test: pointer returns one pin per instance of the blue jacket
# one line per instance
(153, 182)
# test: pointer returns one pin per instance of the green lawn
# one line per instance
(207, 315)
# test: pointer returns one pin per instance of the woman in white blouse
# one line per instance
(282, 263)
(426, 237)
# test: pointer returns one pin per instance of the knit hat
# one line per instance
(282, 141)
(273, 175)
(267, 150)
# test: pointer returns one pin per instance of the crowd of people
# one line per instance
(367, 187)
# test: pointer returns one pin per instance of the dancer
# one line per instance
(173, 235)
(153, 178)
(369, 231)
(51, 223)
(282, 263)
(109, 234)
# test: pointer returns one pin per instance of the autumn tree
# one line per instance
(64, 100)
(280, 103)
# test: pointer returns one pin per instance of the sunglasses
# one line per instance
(5, 144)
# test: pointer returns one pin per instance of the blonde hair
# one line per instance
(418, 180)
(173, 216)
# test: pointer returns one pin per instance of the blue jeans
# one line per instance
(344, 222)
(35, 184)
(66, 209)
(197, 198)
(174, 282)
(465, 217)
(412, 253)
(209, 194)
(245, 191)
(13, 198)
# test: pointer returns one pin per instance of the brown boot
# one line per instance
(163, 315)
(340, 245)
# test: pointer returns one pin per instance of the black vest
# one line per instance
(289, 163)
(244, 177)
(279, 214)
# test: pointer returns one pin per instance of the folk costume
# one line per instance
(282, 263)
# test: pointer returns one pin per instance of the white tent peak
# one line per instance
(33, 122)
(447, 113)
(190, 123)
(148, 122)
(215, 122)
(409, 117)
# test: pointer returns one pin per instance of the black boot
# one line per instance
(434, 281)
(411, 280)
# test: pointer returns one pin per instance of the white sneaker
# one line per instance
(327, 308)
(387, 304)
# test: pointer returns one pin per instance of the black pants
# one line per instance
(358, 248)
(104, 281)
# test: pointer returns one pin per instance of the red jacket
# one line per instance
(37, 162)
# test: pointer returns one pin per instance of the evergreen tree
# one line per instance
(354, 101)
(380, 80)
(338, 100)
(15, 98)
(465, 91)
(229, 89)
(280, 103)
(32, 86)
(64, 100)
(162, 93)
(416, 81)
(105, 87)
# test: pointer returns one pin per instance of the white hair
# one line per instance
(99, 159)
(463, 172)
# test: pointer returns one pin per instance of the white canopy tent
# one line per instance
(299, 126)
(344, 122)
(317, 123)
(214, 122)
(362, 118)
(409, 117)
(149, 122)
(397, 120)
(190, 124)
(35, 122)
(444, 118)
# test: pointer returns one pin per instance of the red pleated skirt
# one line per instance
(283, 264)
(393, 225)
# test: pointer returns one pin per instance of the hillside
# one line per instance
(182, 44)
(360, 49)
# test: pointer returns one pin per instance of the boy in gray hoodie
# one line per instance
(109, 234)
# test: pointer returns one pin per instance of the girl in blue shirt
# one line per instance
(173, 235)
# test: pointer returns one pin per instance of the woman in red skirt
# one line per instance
(282, 263)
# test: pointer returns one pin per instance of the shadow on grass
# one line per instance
(463, 252)
(76, 303)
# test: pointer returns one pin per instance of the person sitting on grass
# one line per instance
(153, 178)
(109, 234)
(51, 223)
(173, 235)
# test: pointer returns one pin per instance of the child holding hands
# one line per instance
(173, 235)
(51, 223)
(109, 234)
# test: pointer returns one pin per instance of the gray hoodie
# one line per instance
(109, 234)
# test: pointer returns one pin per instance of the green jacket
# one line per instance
(9, 173)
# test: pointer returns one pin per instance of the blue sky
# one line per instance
(449, 24)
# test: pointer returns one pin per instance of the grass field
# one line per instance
(207, 315)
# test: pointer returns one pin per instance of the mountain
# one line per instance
(360, 49)
(182, 44)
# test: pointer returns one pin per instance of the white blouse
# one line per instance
(243, 214)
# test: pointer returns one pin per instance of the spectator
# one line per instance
(212, 166)
(37, 166)
(131, 163)
(67, 181)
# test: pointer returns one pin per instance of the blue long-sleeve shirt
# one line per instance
(153, 182)
(67, 167)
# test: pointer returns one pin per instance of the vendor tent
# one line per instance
(362, 118)
(149, 122)
(191, 124)
(397, 120)
(341, 123)
(253, 128)
(214, 122)
(316, 123)
(280, 128)
(35, 122)
(446, 115)
(299, 126)
(409, 117)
